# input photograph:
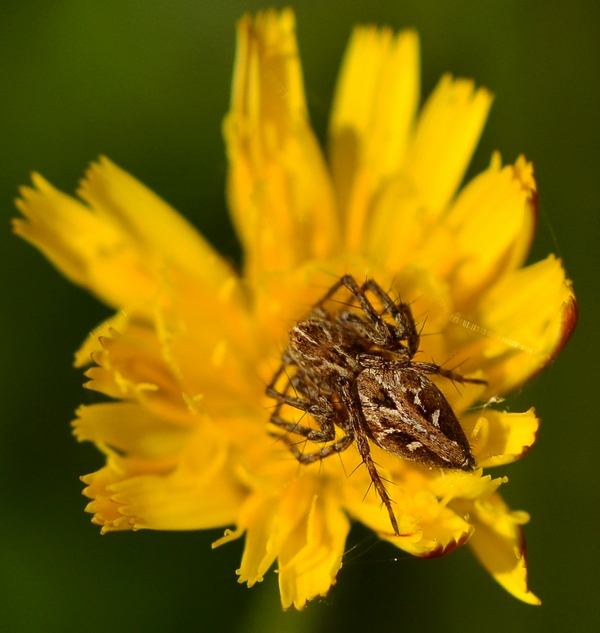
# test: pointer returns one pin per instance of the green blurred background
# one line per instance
(147, 84)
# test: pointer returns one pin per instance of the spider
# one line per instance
(355, 370)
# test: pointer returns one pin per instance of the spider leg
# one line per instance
(313, 403)
(364, 450)
(373, 328)
(401, 313)
(381, 334)
(302, 385)
(368, 360)
(276, 376)
(324, 419)
(326, 433)
(321, 409)
(351, 284)
(282, 397)
(326, 451)
(432, 368)
(336, 286)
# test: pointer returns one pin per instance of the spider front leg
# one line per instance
(433, 369)
(402, 315)
(376, 362)
(380, 334)
(373, 327)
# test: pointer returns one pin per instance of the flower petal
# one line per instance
(373, 113)
(154, 227)
(131, 366)
(87, 250)
(311, 556)
(158, 364)
(117, 247)
(131, 430)
(258, 518)
(118, 322)
(447, 132)
(486, 232)
(305, 529)
(499, 545)
(427, 527)
(198, 492)
(105, 510)
(500, 438)
(179, 501)
(522, 322)
(209, 341)
(397, 228)
(279, 191)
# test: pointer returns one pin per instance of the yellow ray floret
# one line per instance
(279, 192)
(372, 119)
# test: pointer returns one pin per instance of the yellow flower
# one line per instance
(185, 360)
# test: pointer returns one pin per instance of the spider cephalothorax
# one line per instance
(355, 370)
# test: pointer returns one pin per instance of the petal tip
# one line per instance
(444, 549)
(570, 317)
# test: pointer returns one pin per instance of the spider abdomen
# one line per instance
(406, 414)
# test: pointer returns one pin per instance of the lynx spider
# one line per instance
(355, 370)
